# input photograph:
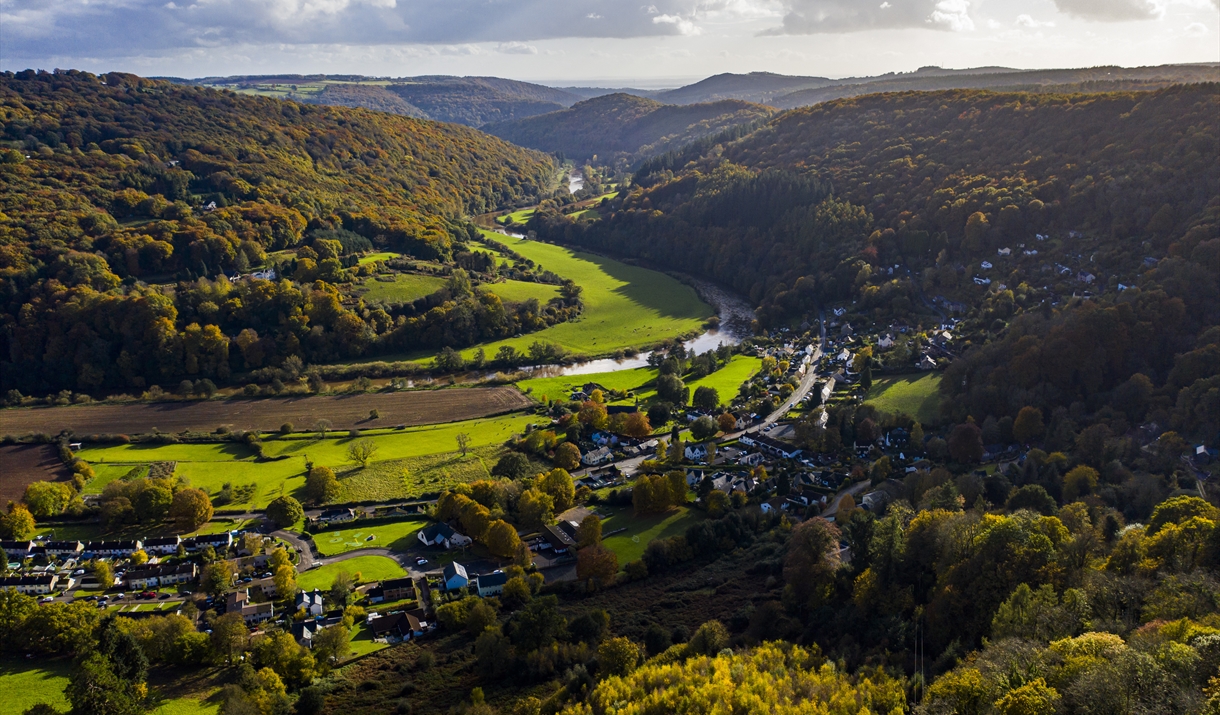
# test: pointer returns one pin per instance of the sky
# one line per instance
(653, 43)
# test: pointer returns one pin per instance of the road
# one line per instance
(833, 507)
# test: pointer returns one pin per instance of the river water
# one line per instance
(576, 182)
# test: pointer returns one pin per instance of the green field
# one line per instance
(380, 256)
(727, 380)
(559, 388)
(370, 568)
(405, 288)
(362, 642)
(518, 216)
(521, 291)
(407, 463)
(25, 685)
(915, 395)
(398, 536)
(630, 544)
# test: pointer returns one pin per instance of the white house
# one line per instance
(597, 456)
(311, 602)
(30, 585)
(491, 584)
(162, 545)
(168, 575)
(455, 576)
(985, 265)
(696, 452)
(440, 534)
(1004, 252)
(752, 459)
(885, 343)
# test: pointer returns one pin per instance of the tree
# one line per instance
(535, 508)
(362, 451)
(716, 503)
(658, 414)
(727, 422)
(516, 592)
(502, 539)
(567, 456)
(512, 465)
(191, 508)
(704, 429)
(596, 563)
(341, 589)
(139, 557)
(808, 570)
(47, 498)
(104, 574)
(966, 443)
(463, 442)
(589, 533)
(95, 688)
(1033, 497)
(1032, 698)
(866, 377)
(593, 414)
(637, 425)
(330, 645)
(285, 511)
(285, 578)
(449, 360)
(671, 389)
(153, 503)
(18, 524)
(322, 426)
(216, 577)
(618, 656)
(706, 398)
(321, 486)
(1028, 426)
(558, 483)
(278, 557)
(229, 636)
(1078, 482)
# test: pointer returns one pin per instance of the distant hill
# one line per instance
(368, 96)
(625, 126)
(1092, 79)
(759, 87)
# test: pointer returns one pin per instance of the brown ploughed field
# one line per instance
(267, 414)
(21, 464)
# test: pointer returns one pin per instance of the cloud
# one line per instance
(1196, 29)
(516, 48)
(1111, 10)
(808, 17)
(38, 31)
(1027, 21)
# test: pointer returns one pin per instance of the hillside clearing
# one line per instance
(915, 395)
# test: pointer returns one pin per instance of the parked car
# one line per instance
(165, 596)
(421, 561)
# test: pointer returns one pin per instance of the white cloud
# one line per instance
(1196, 29)
(685, 27)
(809, 17)
(953, 14)
(1027, 21)
(886, 6)
(516, 48)
(1111, 10)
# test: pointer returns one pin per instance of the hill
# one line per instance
(368, 96)
(121, 180)
(621, 125)
(760, 87)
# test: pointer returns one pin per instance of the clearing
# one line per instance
(521, 291)
(27, 684)
(370, 568)
(23, 464)
(396, 536)
(915, 395)
(410, 407)
(630, 544)
(401, 288)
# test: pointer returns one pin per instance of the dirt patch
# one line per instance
(21, 464)
(267, 414)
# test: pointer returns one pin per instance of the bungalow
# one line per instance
(166, 575)
(162, 545)
(398, 589)
(396, 627)
(597, 456)
(310, 601)
(455, 576)
(560, 540)
(337, 515)
(30, 585)
(220, 542)
(57, 549)
(490, 584)
(113, 549)
(440, 534)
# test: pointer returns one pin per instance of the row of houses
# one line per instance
(123, 548)
(770, 445)
(162, 575)
(34, 585)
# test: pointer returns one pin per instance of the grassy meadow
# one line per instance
(726, 381)
(916, 395)
(370, 568)
(521, 291)
(397, 536)
(630, 544)
(25, 685)
(405, 288)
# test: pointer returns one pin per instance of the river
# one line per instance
(576, 182)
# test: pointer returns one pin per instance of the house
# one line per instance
(885, 343)
(828, 389)
(560, 540)
(252, 613)
(305, 631)
(774, 446)
(752, 459)
(843, 355)
(310, 601)
(875, 501)
(398, 589)
(17, 549)
(455, 576)
(840, 312)
(30, 585)
(986, 265)
(57, 549)
(846, 330)
(166, 575)
(1086, 277)
(982, 281)
(220, 542)
(927, 363)
(162, 545)
(1004, 252)
(337, 515)
(121, 548)
(597, 456)
(440, 534)
(696, 452)
(491, 584)
(396, 627)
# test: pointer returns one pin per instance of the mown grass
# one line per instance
(630, 544)
(27, 684)
(410, 478)
(560, 388)
(916, 395)
(405, 288)
(370, 568)
(521, 291)
(363, 643)
(397, 536)
(380, 256)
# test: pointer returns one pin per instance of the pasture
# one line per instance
(560, 388)
(521, 291)
(370, 568)
(410, 407)
(630, 544)
(916, 395)
(379, 256)
(396, 536)
(398, 288)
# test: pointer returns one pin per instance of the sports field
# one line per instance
(396, 536)
(630, 544)
(915, 395)
(404, 288)
(370, 568)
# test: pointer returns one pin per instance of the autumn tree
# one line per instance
(285, 579)
(810, 565)
(596, 563)
(558, 483)
(567, 456)
(535, 508)
(593, 414)
(589, 532)
(618, 656)
(362, 451)
(637, 425)
(191, 508)
(1028, 426)
(502, 539)
(18, 523)
(285, 511)
(321, 486)
(726, 421)
(705, 398)
(966, 443)
(463, 442)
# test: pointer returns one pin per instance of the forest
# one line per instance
(127, 202)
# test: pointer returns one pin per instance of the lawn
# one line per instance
(27, 684)
(916, 395)
(397, 536)
(630, 544)
(521, 291)
(625, 306)
(362, 642)
(560, 388)
(728, 379)
(405, 288)
(370, 568)
(407, 462)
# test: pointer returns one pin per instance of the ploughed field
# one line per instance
(413, 407)
(21, 464)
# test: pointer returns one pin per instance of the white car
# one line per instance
(47, 599)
